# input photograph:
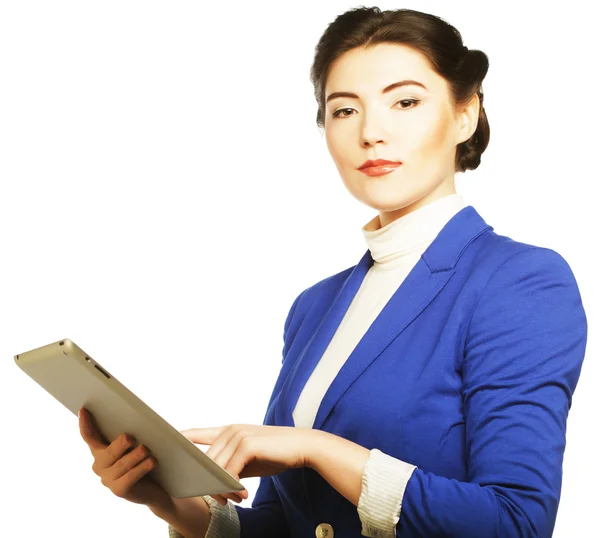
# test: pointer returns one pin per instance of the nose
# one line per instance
(367, 142)
(372, 132)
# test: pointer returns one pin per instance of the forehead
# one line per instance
(370, 69)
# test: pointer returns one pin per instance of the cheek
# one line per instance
(429, 137)
(438, 139)
(338, 148)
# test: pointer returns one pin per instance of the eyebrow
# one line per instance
(385, 90)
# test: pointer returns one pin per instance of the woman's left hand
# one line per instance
(245, 450)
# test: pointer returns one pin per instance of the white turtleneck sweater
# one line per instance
(395, 249)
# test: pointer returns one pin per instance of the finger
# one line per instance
(238, 497)
(243, 454)
(89, 431)
(202, 436)
(128, 462)
(223, 459)
(123, 484)
(222, 441)
(105, 454)
(117, 449)
(220, 499)
(106, 458)
(237, 439)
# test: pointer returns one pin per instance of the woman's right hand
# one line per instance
(123, 472)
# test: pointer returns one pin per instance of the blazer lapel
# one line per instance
(429, 275)
(312, 352)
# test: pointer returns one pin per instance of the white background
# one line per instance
(166, 194)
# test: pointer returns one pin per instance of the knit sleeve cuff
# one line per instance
(174, 533)
(384, 481)
(224, 521)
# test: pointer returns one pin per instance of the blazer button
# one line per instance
(324, 530)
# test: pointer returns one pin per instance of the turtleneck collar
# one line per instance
(411, 232)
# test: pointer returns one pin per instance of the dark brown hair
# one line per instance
(440, 42)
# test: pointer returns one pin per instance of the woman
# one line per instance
(425, 390)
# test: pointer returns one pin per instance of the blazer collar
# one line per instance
(429, 275)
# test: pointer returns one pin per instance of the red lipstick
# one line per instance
(379, 167)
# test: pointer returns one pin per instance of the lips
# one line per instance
(379, 162)
(379, 169)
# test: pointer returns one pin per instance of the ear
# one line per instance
(468, 119)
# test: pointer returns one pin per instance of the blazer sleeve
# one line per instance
(524, 349)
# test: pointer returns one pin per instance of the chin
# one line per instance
(388, 207)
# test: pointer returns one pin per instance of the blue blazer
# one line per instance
(468, 373)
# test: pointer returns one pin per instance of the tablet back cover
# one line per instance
(76, 380)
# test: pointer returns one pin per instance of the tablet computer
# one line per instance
(76, 380)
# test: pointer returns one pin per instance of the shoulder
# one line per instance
(520, 289)
(526, 289)
(329, 285)
(503, 258)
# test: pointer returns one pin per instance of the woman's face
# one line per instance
(415, 125)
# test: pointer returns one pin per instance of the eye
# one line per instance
(336, 114)
(413, 101)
